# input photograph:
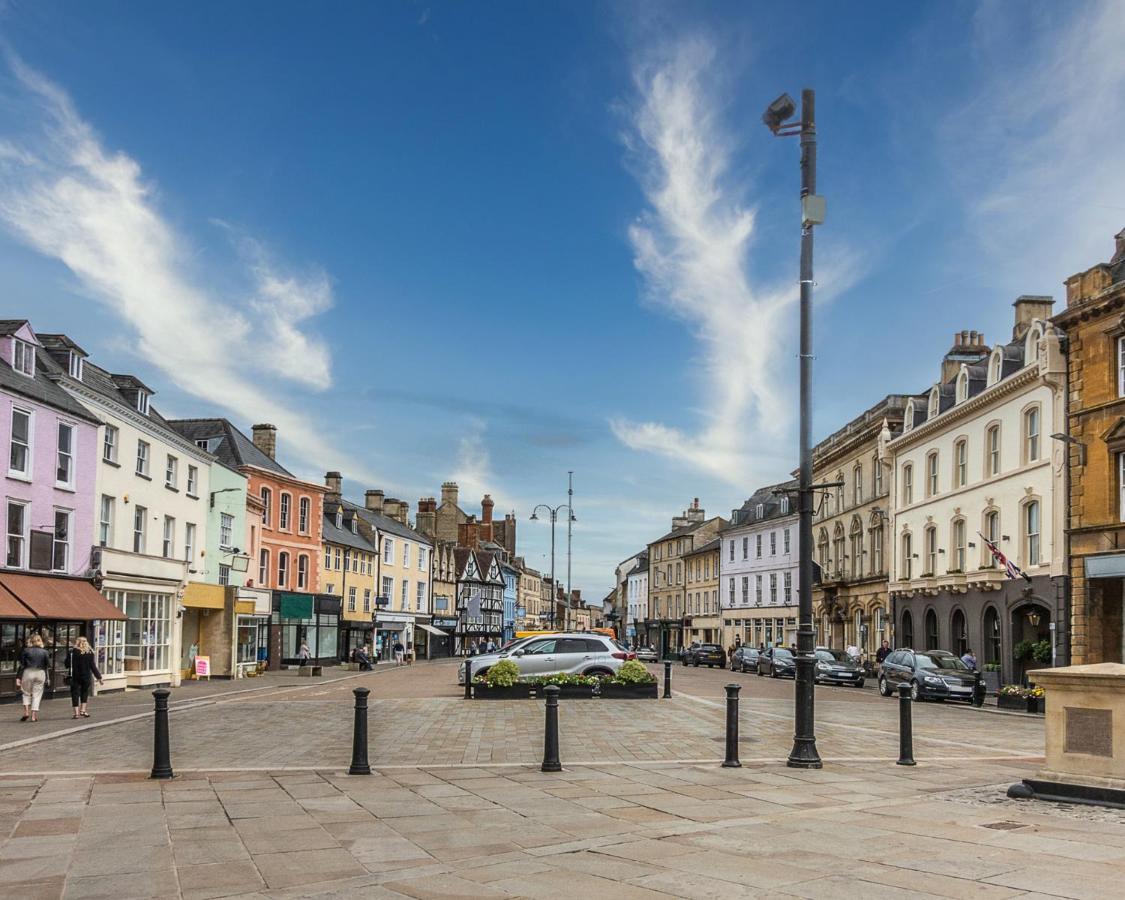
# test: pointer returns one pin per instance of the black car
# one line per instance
(777, 662)
(931, 674)
(709, 655)
(836, 667)
(744, 659)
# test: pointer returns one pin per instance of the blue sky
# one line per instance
(495, 242)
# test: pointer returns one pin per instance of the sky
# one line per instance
(497, 243)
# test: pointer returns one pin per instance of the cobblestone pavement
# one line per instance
(623, 830)
(310, 726)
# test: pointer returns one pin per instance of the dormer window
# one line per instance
(339, 518)
(908, 420)
(23, 358)
(935, 404)
(760, 511)
(1031, 349)
(784, 506)
(142, 402)
(995, 366)
(74, 365)
(355, 526)
(962, 385)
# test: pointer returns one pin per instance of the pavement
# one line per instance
(457, 807)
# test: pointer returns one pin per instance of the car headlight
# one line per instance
(822, 667)
(932, 679)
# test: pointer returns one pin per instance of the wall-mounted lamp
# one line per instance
(1067, 439)
(1033, 618)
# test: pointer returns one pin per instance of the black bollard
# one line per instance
(161, 753)
(360, 765)
(905, 727)
(667, 679)
(731, 762)
(551, 761)
(978, 691)
(468, 678)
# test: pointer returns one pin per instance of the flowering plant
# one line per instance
(1036, 691)
(1013, 690)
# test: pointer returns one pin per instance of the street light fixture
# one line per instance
(804, 754)
(1067, 439)
(553, 511)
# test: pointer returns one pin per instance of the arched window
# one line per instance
(822, 550)
(992, 449)
(907, 557)
(959, 635)
(303, 514)
(991, 532)
(838, 549)
(877, 476)
(957, 535)
(931, 630)
(283, 569)
(760, 511)
(877, 550)
(1031, 533)
(995, 366)
(991, 636)
(931, 473)
(908, 419)
(962, 385)
(935, 404)
(1031, 434)
(857, 484)
(264, 568)
(284, 511)
(784, 503)
(302, 572)
(840, 492)
(1031, 348)
(267, 511)
(857, 548)
(907, 629)
(907, 484)
(931, 550)
(961, 463)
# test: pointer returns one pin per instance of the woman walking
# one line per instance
(83, 669)
(31, 678)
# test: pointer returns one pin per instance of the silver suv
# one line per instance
(571, 653)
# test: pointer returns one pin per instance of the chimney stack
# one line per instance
(427, 516)
(265, 439)
(334, 481)
(449, 493)
(373, 500)
(1028, 308)
(398, 510)
(486, 508)
(968, 348)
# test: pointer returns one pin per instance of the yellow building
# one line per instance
(701, 593)
(349, 572)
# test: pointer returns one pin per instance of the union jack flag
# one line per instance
(1012, 570)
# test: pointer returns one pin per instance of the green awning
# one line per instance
(296, 606)
(1112, 566)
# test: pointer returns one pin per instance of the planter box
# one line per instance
(1007, 701)
(630, 691)
(515, 692)
(991, 681)
(1035, 704)
(569, 691)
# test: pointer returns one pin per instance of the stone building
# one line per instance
(758, 569)
(530, 597)
(850, 605)
(975, 458)
(701, 587)
(636, 592)
(664, 626)
(1094, 323)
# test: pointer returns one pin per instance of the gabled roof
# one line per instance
(229, 444)
(386, 523)
(11, 326)
(483, 561)
(344, 535)
(43, 388)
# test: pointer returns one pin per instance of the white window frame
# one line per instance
(23, 357)
(21, 536)
(907, 484)
(226, 531)
(961, 462)
(283, 569)
(171, 471)
(421, 559)
(107, 513)
(933, 464)
(304, 511)
(405, 599)
(140, 529)
(284, 511)
(110, 443)
(28, 447)
(74, 365)
(189, 542)
(263, 567)
(302, 571)
(992, 449)
(420, 596)
(66, 516)
(265, 494)
(1033, 540)
(388, 551)
(405, 554)
(65, 457)
(907, 556)
(1121, 367)
(144, 453)
(1032, 439)
(192, 486)
(168, 539)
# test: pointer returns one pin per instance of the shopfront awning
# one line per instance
(431, 629)
(204, 596)
(58, 597)
(1112, 566)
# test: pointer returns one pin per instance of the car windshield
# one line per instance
(782, 653)
(825, 655)
(928, 661)
(710, 647)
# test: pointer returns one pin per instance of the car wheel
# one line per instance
(914, 694)
(859, 683)
(884, 688)
(773, 672)
(598, 673)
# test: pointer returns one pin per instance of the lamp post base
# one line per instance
(804, 755)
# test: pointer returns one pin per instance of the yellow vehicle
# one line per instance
(608, 632)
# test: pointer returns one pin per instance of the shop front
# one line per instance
(59, 609)
(355, 633)
(252, 630)
(310, 620)
(206, 630)
(389, 628)
(435, 638)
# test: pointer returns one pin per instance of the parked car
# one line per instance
(482, 661)
(581, 653)
(837, 667)
(709, 655)
(744, 659)
(647, 654)
(777, 662)
(931, 674)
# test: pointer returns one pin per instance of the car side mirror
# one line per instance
(517, 653)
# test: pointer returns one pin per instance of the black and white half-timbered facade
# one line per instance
(480, 597)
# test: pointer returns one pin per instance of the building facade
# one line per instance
(480, 598)
(348, 569)
(1094, 323)
(758, 569)
(637, 604)
(530, 598)
(701, 577)
(975, 460)
(511, 578)
(851, 605)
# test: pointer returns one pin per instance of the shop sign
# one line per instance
(439, 622)
(203, 667)
(296, 606)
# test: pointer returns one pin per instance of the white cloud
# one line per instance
(691, 246)
(1036, 152)
(63, 194)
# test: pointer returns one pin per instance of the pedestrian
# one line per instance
(472, 648)
(969, 660)
(853, 652)
(363, 657)
(31, 677)
(399, 651)
(882, 653)
(303, 653)
(82, 670)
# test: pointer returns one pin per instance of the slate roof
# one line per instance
(640, 568)
(770, 502)
(461, 557)
(710, 545)
(680, 532)
(386, 523)
(44, 387)
(11, 326)
(232, 447)
(344, 536)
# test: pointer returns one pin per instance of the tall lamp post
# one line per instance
(804, 754)
(553, 512)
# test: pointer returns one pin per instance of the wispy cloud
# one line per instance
(1036, 151)
(68, 197)
(691, 247)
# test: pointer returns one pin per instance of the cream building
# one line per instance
(701, 575)
(530, 598)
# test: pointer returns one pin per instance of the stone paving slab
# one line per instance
(916, 833)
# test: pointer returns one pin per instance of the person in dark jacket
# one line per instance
(32, 676)
(82, 668)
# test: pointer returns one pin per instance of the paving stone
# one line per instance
(203, 882)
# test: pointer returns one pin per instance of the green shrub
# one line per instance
(1041, 651)
(504, 674)
(1022, 651)
(633, 672)
(992, 667)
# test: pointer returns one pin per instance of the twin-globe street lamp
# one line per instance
(554, 515)
(777, 118)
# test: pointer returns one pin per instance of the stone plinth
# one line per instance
(1085, 754)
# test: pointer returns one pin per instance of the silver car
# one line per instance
(571, 653)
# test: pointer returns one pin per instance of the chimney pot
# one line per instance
(373, 500)
(449, 492)
(334, 481)
(265, 439)
(486, 505)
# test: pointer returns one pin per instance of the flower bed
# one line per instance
(1016, 697)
